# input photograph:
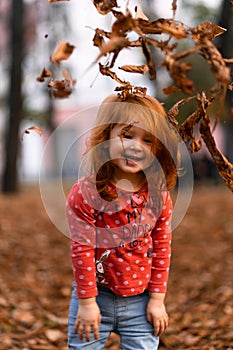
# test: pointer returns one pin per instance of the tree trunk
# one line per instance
(10, 174)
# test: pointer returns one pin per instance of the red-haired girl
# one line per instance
(119, 216)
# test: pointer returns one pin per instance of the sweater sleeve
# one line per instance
(161, 236)
(81, 221)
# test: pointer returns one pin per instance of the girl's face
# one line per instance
(130, 151)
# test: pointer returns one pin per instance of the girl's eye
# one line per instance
(126, 136)
(148, 141)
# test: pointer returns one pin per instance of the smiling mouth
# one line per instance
(132, 158)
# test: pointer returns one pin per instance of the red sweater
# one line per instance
(123, 244)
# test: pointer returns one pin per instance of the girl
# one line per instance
(119, 217)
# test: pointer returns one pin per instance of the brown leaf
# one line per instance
(177, 31)
(37, 129)
(113, 45)
(105, 6)
(98, 40)
(106, 71)
(207, 29)
(151, 27)
(171, 90)
(60, 88)
(45, 73)
(123, 24)
(54, 335)
(135, 69)
(174, 110)
(149, 59)
(174, 7)
(225, 168)
(62, 52)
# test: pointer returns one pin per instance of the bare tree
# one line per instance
(10, 175)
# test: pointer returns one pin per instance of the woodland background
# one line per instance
(35, 270)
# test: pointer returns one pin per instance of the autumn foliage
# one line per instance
(164, 35)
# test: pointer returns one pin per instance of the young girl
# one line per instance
(119, 215)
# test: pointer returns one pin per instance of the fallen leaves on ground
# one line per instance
(36, 276)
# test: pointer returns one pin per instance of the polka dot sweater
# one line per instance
(123, 244)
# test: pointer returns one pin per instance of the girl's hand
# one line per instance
(157, 315)
(88, 319)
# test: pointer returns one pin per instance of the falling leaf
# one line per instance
(149, 59)
(135, 69)
(225, 168)
(60, 88)
(177, 31)
(171, 90)
(104, 6)
(45, 73)
(207, 29)
(62, 52)
(37, 129)
(113, 45)
(174, 7)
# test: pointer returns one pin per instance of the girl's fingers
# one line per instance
(87, 332)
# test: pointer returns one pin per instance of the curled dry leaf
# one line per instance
(224, 167)
(105, 6)
(149, 59)
(207, 29)
(135, 69)
(62, 52)
(45, 73)
(106, 71)
(37, 129)
(60, 88)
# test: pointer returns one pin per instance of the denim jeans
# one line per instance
(125, 316)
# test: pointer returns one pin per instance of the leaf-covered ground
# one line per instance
(35, 275)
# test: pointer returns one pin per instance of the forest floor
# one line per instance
(36, 276)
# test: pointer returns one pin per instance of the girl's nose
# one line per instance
(136, 146)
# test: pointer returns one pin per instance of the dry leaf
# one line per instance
(171, 90)
(113, 45)
(135, 69)
(208, 29)
(62, 52)
(54, 335)
(60, 88)
(225, 168)
(23, 316)
(177, 31)
(104, 6)
(149, 59)
(37, 129)
(45, 73)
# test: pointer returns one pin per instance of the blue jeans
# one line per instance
(125, 316)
